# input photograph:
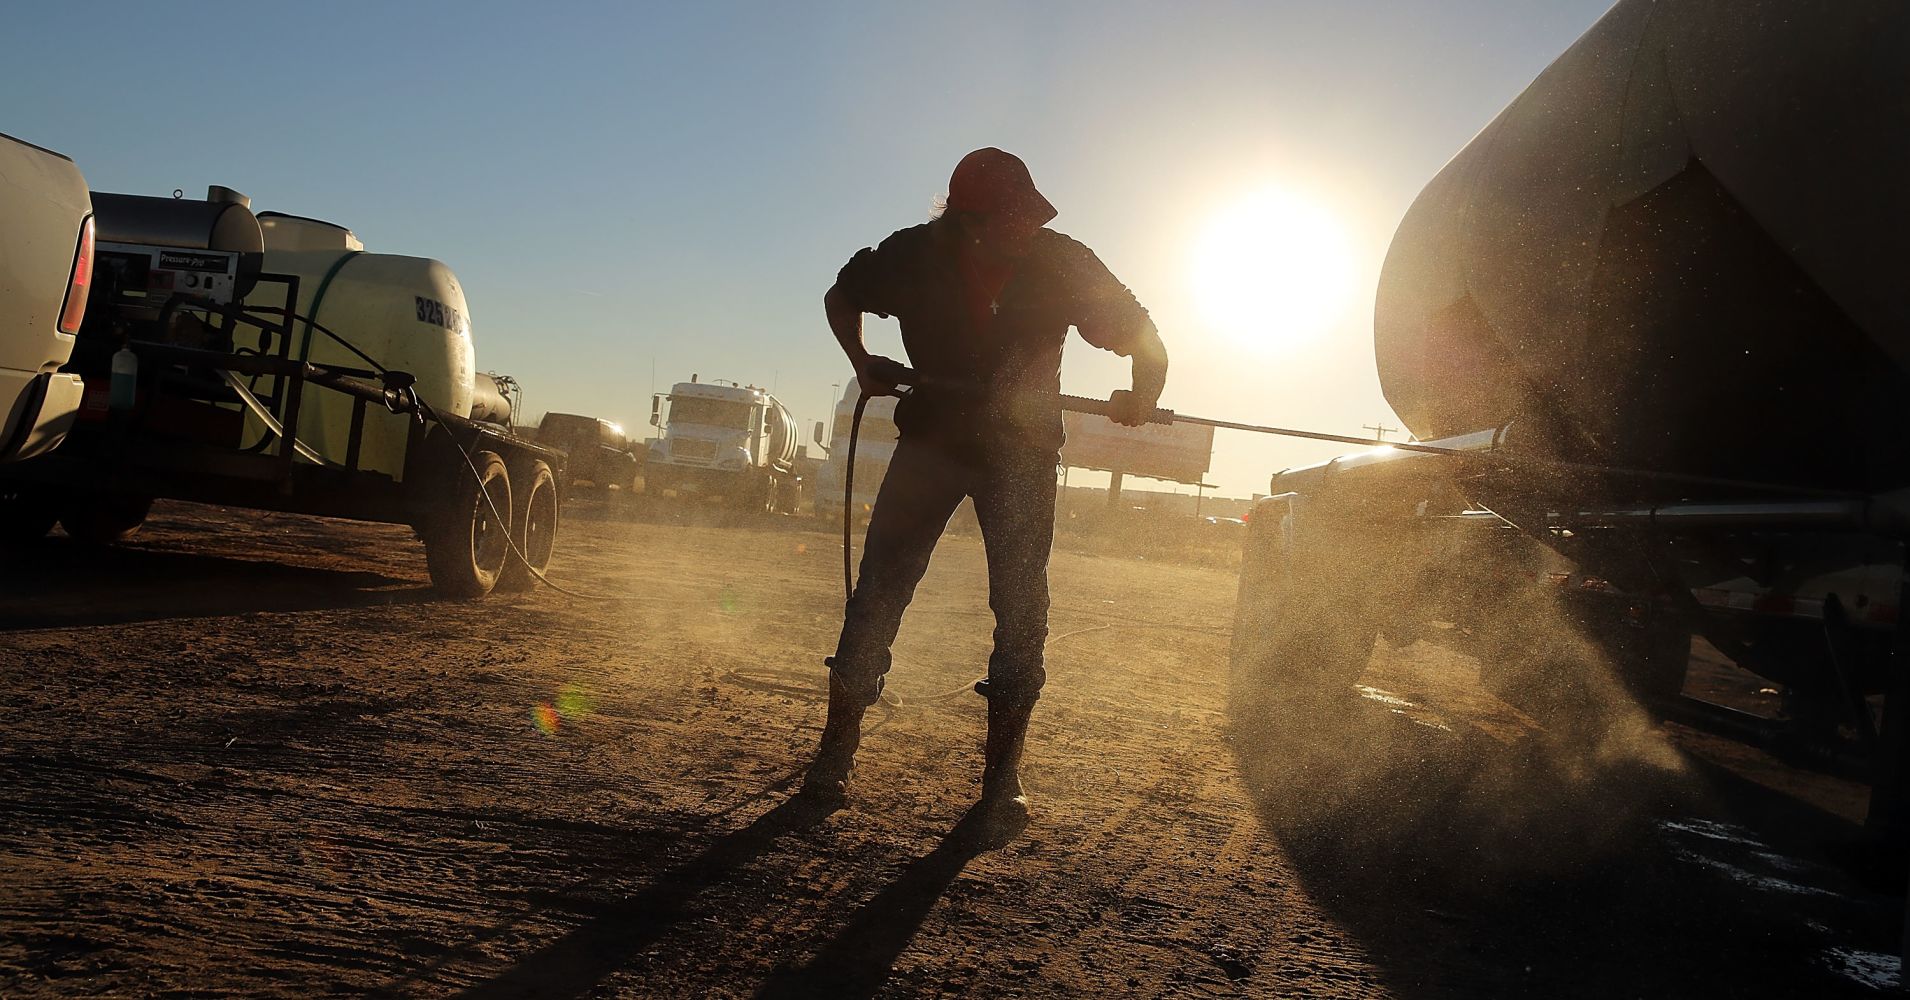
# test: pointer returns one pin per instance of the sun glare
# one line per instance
(1273, 271)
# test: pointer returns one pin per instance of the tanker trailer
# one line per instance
(222, 367)
(1656, 307)
(732, 441)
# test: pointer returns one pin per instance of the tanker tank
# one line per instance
(1680, 248)
(493, 399)
(408, 313)
(783, 438)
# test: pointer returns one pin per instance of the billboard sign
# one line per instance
(1179, 453)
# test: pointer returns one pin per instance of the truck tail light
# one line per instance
(75, 308)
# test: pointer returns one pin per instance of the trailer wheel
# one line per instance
(533, 525)
(464, 544)
(104, 518)
(1304, 617)
(26, 516)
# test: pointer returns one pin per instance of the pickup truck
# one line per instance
(46, 264)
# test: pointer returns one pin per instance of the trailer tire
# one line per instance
(1304, 626)
(533, 525)
(464, 545)
(104, 518)
(26, 516)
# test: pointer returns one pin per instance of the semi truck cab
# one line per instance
(709, 427)
(734, 441)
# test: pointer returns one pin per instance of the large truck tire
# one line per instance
(1304, 617)
(104, 518)
(26, 515)
(533, 525)
(465, 545)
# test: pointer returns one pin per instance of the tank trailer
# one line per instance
(269, 361)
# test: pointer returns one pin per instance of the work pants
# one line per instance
(1014, 493)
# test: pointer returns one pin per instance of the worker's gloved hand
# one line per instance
(878, 376)
(1129, 410)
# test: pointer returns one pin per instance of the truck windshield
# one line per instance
(709, 412)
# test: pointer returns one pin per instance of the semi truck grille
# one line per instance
(693, 451)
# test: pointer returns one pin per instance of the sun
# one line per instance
(1273, 271)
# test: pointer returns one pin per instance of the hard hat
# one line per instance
(989, 180)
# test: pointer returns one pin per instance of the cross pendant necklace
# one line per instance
(974, 274)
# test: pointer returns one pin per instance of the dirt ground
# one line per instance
(251, 755)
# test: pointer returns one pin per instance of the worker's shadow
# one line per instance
(580, 960)
(857, 962)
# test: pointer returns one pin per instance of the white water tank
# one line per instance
(407, 313)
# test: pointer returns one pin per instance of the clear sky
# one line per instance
(629, 187)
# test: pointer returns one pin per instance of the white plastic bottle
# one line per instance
(125, 381)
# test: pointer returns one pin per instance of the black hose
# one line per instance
(314, 324)
(848, 498)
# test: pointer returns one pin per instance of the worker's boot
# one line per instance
(835, 761)
(1002, 813)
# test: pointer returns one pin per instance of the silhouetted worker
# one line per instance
(984, 295)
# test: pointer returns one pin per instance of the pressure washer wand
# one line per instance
(1086, 404)
(896, 373)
